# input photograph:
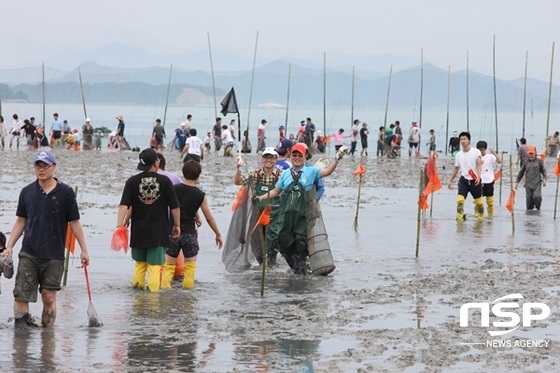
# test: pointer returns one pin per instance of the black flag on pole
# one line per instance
(229, 103)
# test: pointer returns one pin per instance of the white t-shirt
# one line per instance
(414, 135)
(488, 162)
(194, 144)
(226, 136)
(354, 133)
(467, 161)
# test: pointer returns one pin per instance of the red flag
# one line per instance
(240, 199)
(70, 240)
(543, 154)
(511, 200)
(327, 139)
(434, 183)
(497, 175)
(360, 170)
(424, 202)
(557, 168)
(264, 219)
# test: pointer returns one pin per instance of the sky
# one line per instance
(35, 30)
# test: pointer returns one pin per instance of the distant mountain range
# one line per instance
(103, 82)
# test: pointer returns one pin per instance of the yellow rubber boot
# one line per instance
(460, 208)
(154, 271)
(490, 203)
(139, 276)
(190, 269)
(479, 208)
(168, 273)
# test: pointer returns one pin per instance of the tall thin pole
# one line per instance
(418, 218)
(0, 102)
(167, 95)
(288, 97)
(213, 80)
(495, 93)
(511, 186)
(325, 93)
(468, 121)
(421, 86)
(525, 92)
(352, 102)
(82, 91)
(388, 93)
(550, 89)
(252, 80)
(44, 114)
(447, 118)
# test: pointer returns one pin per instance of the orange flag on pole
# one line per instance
(557, 168)
(511, 200)
(327, 139)
(360, 170)
(543, 154)
(434, 183)
(497, 175)
(264, 219)
(240, 199)
(70, 240)
(424, 202)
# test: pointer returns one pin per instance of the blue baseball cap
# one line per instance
(45, 157)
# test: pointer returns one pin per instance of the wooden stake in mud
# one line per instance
(501, 174)
(557, 182)
(359, 194)
(388, 94)
(213, 80)
(550, 90)
(511, 186)
(82, 91)
(288, 99)
(421, 183)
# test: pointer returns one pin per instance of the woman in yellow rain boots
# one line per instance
(191, 199)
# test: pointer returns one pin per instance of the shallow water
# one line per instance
(380, 310)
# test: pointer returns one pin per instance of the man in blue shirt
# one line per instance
(56, 130)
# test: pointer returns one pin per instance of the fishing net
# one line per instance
(242, 247)
(320, 256)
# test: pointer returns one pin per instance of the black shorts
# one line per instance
(488, 189)
(412, 145)
(364, 143)
(187, 242)
(33, 272)
(194, 157)
(468, 186)
(56, 135)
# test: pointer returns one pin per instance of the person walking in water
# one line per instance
(469, 162)
(145, 201)
(488, 162)
(535, 176)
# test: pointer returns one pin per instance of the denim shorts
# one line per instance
(187, 242)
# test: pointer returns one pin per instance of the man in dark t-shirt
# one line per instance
(145, 201)
(217, 134)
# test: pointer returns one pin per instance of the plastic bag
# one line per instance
(119, 240)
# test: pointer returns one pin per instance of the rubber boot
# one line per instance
(154, 271)
(490, 203)
(190, 269)
(168, 274)
(479, 208)
(460, 208)
(139, 276)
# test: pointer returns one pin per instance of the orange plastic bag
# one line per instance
(119, 240)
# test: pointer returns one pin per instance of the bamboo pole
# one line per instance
(213, 80)
(44, 111)
(550, 90)
(468, 119)
(388, 93)
(495, 93)
(525, 92)
(82, 91)
(421, 183)
(447, 117)
(288, 99)
(68, 245)
(359, 196)
(352, 101)
(511, 186)
(252, 81)
(325, 93)
(501, 174)
(167, 94)
(556, 195)
(421, 90)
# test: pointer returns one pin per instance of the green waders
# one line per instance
(293, 235)
(273, 229)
